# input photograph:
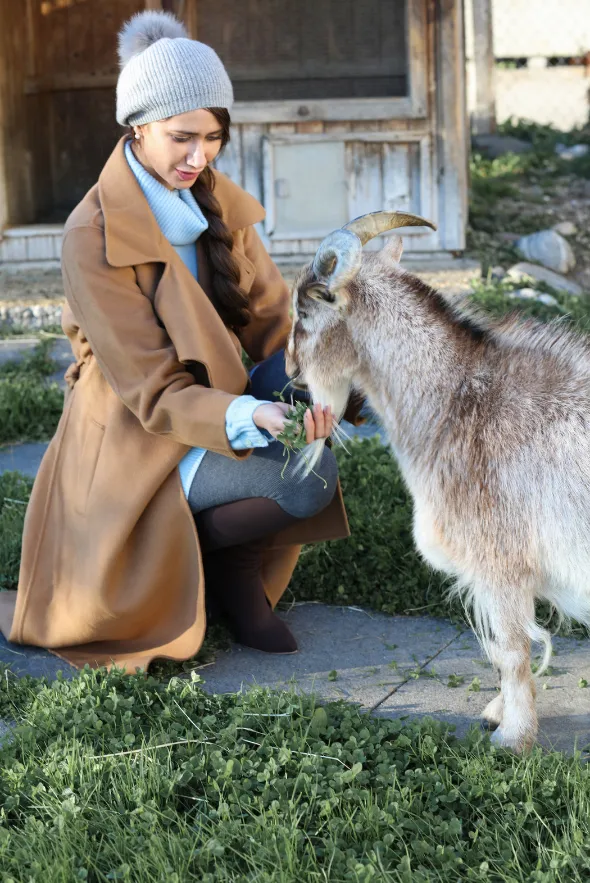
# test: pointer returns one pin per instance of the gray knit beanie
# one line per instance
(164, 72)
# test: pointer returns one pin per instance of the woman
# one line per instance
(164, 465)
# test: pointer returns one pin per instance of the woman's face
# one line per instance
(177, 150)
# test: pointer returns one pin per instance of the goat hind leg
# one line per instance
(493, 713)
(509, 649)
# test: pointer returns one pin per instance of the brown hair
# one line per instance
(226, 295)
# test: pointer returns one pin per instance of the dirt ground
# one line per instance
(30, 287)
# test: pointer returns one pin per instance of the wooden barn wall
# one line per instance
(15, 160)
(72, 69)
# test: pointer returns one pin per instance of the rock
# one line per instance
(36, 317)
(574, 152)
(497, 145)
(565, 228)
(497, 273)
(548, 300)
(524, 294)
(523, 271)
(549, 249)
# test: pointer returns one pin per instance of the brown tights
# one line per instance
(232, 541)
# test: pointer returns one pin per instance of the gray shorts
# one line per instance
(220, 480)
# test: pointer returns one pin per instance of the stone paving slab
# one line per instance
(25, 457)
(563, 706)
(344, 653)
(35, 661)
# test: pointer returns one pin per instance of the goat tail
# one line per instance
(541, 636)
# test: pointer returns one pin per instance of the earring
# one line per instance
(137, 136)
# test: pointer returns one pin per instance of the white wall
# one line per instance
(537, 29)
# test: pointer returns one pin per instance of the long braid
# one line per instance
(227, 297)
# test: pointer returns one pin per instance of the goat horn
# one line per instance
(338, 257)
(368, 226)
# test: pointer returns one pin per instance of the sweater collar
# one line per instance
(177, 212)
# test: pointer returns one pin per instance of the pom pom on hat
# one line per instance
(145, 28)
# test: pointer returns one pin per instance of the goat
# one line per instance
(490, 424)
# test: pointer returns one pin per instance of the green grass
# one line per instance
(269, 787)
(15, 490)
(30, 407)
(7, 331)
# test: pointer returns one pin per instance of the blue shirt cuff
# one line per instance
(241, 430)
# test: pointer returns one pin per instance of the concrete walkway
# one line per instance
(393, 666)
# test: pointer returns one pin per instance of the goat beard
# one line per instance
(336, 396)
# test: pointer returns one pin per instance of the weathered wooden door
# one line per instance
(334, 114)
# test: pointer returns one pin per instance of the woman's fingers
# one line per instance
(318, 423)
(309, 426)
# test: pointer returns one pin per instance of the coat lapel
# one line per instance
(133, 237)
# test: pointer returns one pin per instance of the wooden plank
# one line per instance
(252, 166)
(394, 125)
(230, 163)
(332, 110)
(52, 43)
(153, 4)
(365, 126)
(113, 14)
(361, 136)
(312, 128)
(417, 53)
(66, 83)
(484, 115)
(282, 129)
(338, 127)
(396, 178)
(31, 59)
(365, 175)
(191, 18)
(79, 39)
(16, 192)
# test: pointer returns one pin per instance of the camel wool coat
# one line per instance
(111, 570)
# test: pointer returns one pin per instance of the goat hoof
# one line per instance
(517, 743)
(492, 713)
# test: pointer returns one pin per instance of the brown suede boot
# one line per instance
(232, 540)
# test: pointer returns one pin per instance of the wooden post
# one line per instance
(451, 137)
(484, 116)
(153, 4)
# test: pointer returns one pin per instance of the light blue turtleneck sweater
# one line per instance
(181, 221)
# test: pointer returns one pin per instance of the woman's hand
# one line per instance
(318, 422)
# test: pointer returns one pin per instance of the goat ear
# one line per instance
(325, 295)
(392, 250)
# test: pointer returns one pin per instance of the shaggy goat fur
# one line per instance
(490, 424)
